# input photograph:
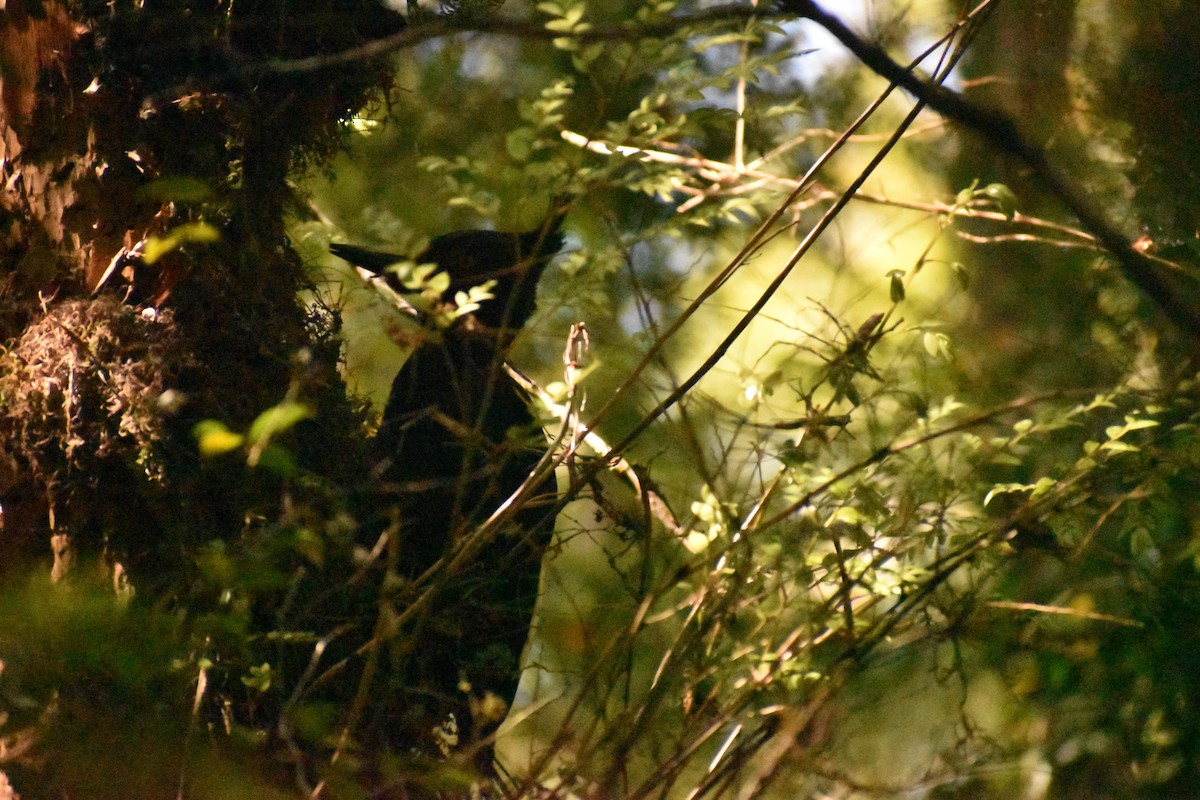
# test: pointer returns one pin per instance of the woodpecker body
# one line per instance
(456, 441)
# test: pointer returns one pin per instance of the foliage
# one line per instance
(845, 507)
(816, 537)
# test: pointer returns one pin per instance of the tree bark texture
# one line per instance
(119, 123)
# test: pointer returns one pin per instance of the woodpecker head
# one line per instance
(515, 261)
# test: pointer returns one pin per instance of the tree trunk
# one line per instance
(121, 125)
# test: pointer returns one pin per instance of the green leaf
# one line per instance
(1002, 196)
(155, 247)
(937, 345)
(725, 38)
(277, 419)
(214, 439)
(1131, 424)
(587, 55)
(1100, 401)
(1140, 541)
(519, 143)
(1012, 488)
(1041, 487)
(966, 195)
(276, 459)
(259, 679)
(846, 515)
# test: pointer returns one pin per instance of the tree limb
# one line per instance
(1002, 133)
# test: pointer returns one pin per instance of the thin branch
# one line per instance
(827, 218)
(724, 173)
(1002, 133)
(1039, 608)
(899, 447)
(452, 25)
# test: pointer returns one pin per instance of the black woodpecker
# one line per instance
(456, 441)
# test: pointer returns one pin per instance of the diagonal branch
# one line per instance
(1000, 131)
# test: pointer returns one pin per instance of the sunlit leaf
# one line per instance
(1003, 197)
(155, 247)
(276, 420)
(213, 438)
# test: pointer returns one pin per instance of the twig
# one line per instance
(820, 192)
(451, 25)
(1067, 612)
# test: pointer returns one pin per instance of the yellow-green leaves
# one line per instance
(1001, 197)
(713, 521)
(155, 247)
(1035, 490)
(259, 678)
(423, 278)
(470, 300)
(993, 197)
(544, 114)
(937, 345)
(214, 438)
(1115, 433)
(566, 19)
(268, 425)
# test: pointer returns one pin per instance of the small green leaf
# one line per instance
(1140, 541)
(1042, 486)
(1002, 196)
(937, 345)
(847, 515)
(155, 247)
(965, 196)
(587, 55)
(725, 38)
(259, 678)
(1003, 488)
(276, 420)
(696, 541)
(1100, 401)
(310, 545)
(519, 143)
(214, 439)
(276, 459)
